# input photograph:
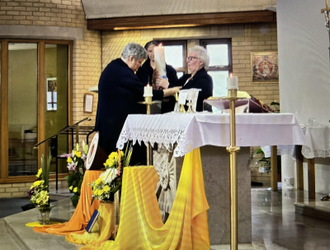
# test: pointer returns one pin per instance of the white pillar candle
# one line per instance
(232, 82)
(147, 91)
(159, 56)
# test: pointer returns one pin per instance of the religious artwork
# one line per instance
(51, 87)
(264, 66)
(165, 164)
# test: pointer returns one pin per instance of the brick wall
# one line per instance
(9, 190)
(62, 13)
(257, 38)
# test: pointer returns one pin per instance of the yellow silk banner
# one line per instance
(104, 227)
(141, 225)
(83, 212)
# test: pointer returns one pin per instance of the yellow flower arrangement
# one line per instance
(76, 166)
(109, 182)
(39, 192)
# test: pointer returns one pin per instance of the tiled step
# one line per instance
(313, 208)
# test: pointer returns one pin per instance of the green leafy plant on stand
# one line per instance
(264, 161)
(276, 106)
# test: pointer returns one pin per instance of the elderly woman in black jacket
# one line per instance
(119, 92)
(198, 60)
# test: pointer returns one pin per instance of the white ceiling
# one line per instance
(95, 9)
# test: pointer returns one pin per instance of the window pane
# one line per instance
(219, 82)
(56, 117)
(22, 108)
(174, 55)
(218, 54)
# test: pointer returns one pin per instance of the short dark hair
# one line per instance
(149, 43)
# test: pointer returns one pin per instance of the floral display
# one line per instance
(76, 166)
(39, 191)
(109, 182)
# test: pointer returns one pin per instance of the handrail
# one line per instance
(62, 130)
(54, 140)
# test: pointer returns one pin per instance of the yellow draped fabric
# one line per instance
(102, 229)
(83, 212)
(141, 225)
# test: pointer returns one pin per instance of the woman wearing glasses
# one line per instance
(198, 60)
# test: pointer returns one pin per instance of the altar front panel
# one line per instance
(215, 162)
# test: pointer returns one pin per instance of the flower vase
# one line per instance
(44, 214)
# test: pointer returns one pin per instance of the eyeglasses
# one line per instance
(190, 58)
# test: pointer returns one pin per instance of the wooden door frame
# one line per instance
(42, 149)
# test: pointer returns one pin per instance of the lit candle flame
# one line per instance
(160, 45)
(231, 75)
(148, 85)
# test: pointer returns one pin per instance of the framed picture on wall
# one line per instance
(264, 67)
(88, 103)
(51, 88)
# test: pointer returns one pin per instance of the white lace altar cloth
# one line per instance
(190, 131)
(317, 143)
(318, 139)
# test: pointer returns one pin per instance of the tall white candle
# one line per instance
(159, 56)
(147, 91)
(232, 82)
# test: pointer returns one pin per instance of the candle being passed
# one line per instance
(232, 82)
(159, 56)
(147, 91)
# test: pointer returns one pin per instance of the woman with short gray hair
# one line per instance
(135, 50)
(119, 94)
(202, 55)
(198, 60)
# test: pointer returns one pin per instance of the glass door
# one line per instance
(22, 108)
(56, 112)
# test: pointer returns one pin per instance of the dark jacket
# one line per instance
(119, 92)
(201, 80)
(145, 75)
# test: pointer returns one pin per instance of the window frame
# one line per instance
(41, 106)
(183, 69)
(229, 67)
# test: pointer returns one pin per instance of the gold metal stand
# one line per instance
(148, 102)
(233, 149)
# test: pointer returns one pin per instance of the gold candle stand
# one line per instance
(148, 102)
(233, 149)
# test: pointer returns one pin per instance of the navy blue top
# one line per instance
(201, 80)
(145, 74)
(119, 92)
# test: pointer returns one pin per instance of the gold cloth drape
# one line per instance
(141, 225)
(83, 212)
(102, 229)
